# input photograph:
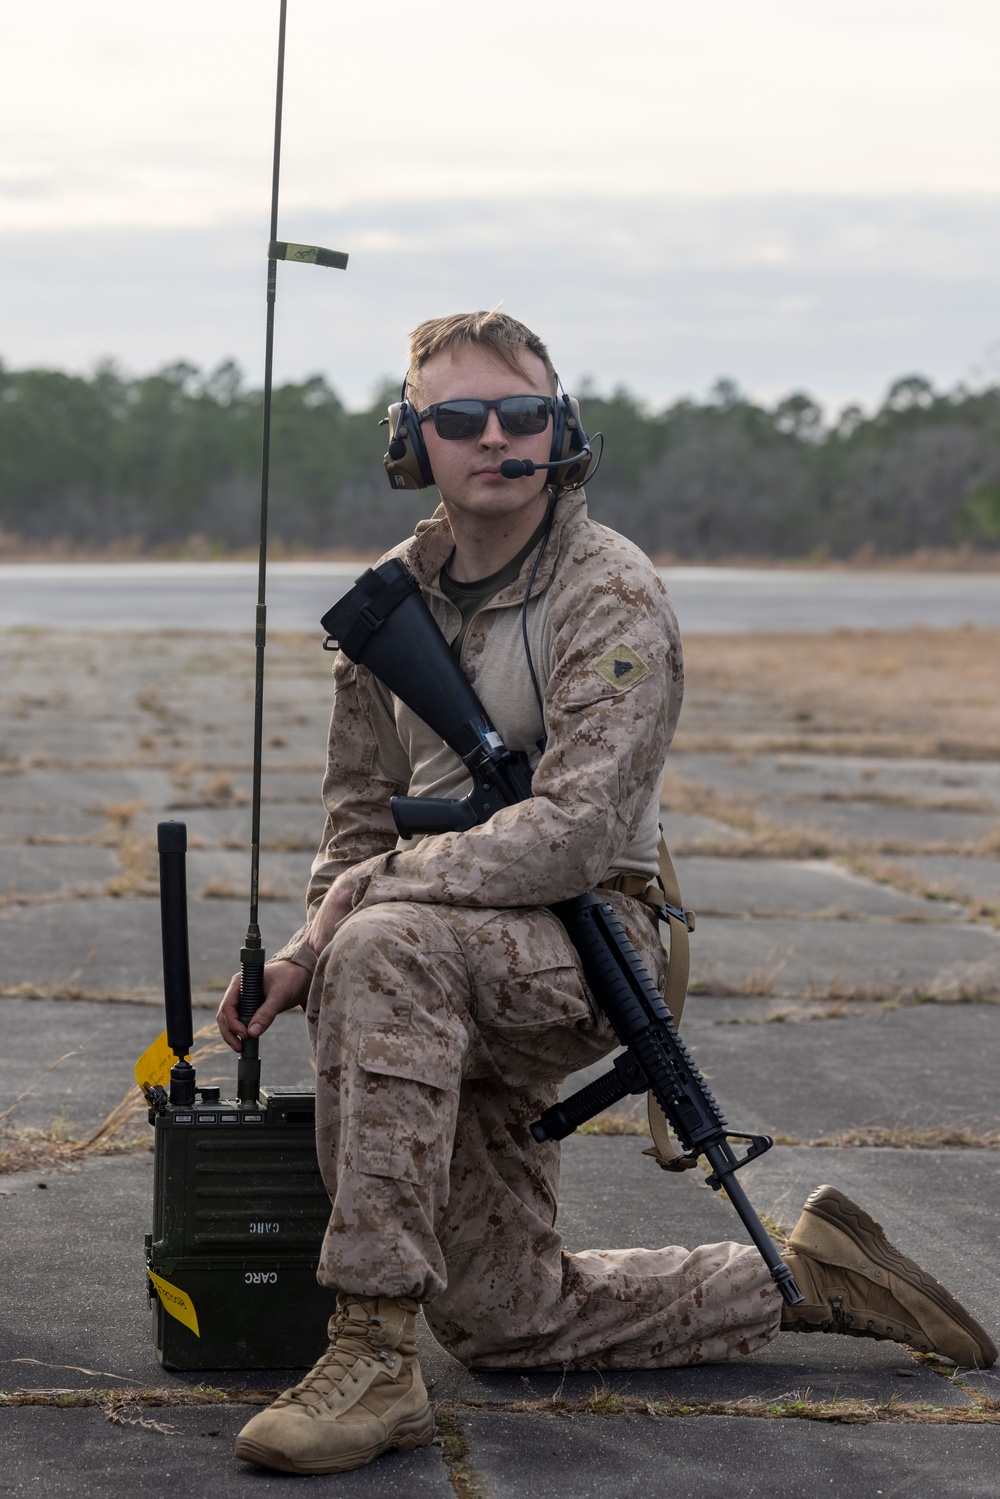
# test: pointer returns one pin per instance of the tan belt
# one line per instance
(635, 885)
(654, 892)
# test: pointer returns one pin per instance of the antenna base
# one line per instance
(182, 1079)
(248, 1072)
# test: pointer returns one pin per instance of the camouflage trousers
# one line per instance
(440, 1033)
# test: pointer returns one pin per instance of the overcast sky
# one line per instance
(791, 193)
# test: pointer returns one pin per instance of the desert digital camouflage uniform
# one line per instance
(450, 1005)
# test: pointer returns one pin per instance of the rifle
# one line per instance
(384, 625)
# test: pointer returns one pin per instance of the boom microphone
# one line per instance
(523, 468)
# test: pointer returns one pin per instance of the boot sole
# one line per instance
(830, 1204)
(417, 1431)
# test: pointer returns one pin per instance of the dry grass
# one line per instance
(629, 1120)
(762, 980)
(755, 836)
(798, 1405)
(58, 1147)
(970, 1136)
(961, 983)
(139, 874)
(795, 1012)
(914, 692)
(220, 792)
(151, 701)
(165, 1396)
(748, 833)
(290, 845)
(960, 802)
(119, 815)
(884, 872)
(602, 1401)
(80, 891)
(219, 888)
(456, 1450)
(965, 983)
(779, 1232)
(26, 989)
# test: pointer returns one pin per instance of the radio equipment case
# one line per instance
(239, 1206)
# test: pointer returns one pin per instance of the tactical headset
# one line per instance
(408, 465)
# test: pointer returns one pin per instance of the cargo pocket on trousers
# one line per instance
(406, 1120)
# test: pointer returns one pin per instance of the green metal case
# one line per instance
(239, 1213)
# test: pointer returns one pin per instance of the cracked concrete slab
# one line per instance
(74, 1452)
(49, 827)
(51, 868)
(926, 1066)
(833, 957)
(780, 775)
(74, 1245)
(294, 822)
(114, 945)
(875, 824)
(966, 878)
(921, 1067)
(685, 828)
(737, 887)
(83, 788)
(634, 1457)
(728, 1009)
(81, 1281)
(45, 869)
(229, 869)
(102, 1043)
(81, 1299)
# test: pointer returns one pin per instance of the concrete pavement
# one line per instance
(830, 1006)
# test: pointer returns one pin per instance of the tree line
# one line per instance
(162, 458)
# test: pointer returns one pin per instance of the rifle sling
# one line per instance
(664, 896)
(664, 1150)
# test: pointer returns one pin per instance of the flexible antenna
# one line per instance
(252, 954)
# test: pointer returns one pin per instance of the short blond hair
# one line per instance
(496, 331)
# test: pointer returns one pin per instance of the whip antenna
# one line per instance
(252, 954)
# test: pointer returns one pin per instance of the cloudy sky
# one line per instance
(797, 195)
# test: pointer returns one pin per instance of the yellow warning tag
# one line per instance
(153, 1068)
(621, 667)
(178, 1303)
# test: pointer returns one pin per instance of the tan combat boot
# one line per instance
(854, 1281)
(364, 1396)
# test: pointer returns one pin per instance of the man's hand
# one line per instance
(336, 906)
(285, 986)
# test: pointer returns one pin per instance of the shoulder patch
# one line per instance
(621, 667)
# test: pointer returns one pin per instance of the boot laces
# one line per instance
(351, 1342)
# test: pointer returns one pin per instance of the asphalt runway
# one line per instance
(222, 596)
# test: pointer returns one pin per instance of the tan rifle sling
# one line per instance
(664, 1149)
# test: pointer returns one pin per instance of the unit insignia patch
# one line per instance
(621, 667)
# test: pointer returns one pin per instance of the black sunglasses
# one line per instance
(521, 416)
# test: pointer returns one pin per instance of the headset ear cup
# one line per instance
(568, 437)
(406, 462)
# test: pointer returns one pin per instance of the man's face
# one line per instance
(467, 472)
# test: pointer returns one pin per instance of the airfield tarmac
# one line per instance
(833, 802)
